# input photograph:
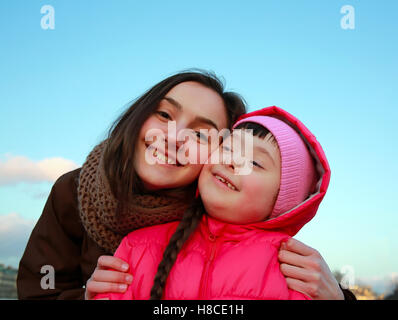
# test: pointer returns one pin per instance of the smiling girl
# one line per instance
(226, 246)
(89, 210)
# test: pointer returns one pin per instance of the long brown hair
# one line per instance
(124, 132)
(190, 221)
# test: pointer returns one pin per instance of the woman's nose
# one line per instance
(171, 136)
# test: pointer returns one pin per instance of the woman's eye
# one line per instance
(201, 136)
(164, 114)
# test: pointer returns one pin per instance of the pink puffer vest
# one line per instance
(221, 260)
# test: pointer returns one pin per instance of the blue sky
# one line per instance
(61, 89)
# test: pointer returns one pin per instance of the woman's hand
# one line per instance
(307, 272)
(104, 280)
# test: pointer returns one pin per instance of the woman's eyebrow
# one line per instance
(174, 103)
(197, 118)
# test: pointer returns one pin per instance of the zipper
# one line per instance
(205, 279)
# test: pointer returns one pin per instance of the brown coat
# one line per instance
(60, 240)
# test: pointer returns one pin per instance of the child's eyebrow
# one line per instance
(265, 151)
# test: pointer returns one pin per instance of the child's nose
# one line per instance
(235, 162)
(238, 165)
(230, 166)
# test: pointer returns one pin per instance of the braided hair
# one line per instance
(186, 227)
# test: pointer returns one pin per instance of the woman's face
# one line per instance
(187, 107)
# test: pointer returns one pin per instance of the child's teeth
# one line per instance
(227, 183)
(230, 186)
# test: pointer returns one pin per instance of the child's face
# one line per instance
(254, 196)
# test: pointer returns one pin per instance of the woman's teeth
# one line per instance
(226, 182)
(162, 157)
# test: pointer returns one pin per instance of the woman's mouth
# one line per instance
(163, 158)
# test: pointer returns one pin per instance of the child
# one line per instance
(231, 251)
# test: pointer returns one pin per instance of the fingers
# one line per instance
(112, 262)
(299, 247)
(102, 281)
(303, 287)
(306, 271)
(290, 271)
(95, 287)
(292, 258)
(111, 276)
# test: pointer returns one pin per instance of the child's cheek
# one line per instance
(253, 188)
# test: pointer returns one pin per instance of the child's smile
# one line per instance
(225, 180)
(243, 199)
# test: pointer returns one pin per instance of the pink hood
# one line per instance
(292, 221)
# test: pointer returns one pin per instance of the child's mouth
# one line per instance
(225, 182)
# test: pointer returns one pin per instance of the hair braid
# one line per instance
(187, 226)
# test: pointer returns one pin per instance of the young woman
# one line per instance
(91, 209)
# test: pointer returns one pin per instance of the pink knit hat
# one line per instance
(298, 175)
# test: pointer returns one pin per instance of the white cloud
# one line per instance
(14, 234)
(21, 169)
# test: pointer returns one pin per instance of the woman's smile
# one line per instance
(162, 157)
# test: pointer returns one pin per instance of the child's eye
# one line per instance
(164, 115)
(257, 164)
